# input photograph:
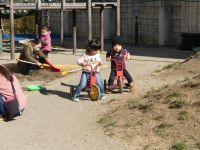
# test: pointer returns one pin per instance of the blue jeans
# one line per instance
(83, 82)
(2, 111)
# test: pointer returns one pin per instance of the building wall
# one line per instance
(185, 17)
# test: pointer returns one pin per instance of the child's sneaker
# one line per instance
(103, 97)
(75, 99)
(109, 90)
(1, 118)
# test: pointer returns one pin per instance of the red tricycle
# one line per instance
(91, 88)
(119, 77)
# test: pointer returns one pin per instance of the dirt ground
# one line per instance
(52, 121)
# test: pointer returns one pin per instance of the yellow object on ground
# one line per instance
(65, 69)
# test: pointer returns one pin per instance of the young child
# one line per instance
(46, 40)
(92, 57)
(120, 55)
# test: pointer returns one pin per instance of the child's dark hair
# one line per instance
(94, 44)
(37, 41)
(117, 40)
(45, 28)
(6, 72)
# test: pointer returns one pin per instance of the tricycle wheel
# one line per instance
(72, 91)
(94, 93)
(120, 85)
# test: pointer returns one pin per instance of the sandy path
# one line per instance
(53, 122)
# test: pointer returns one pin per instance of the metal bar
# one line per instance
(12, 41)
(102, 28)
(89, 5)
(118, 17)
(62, 23)
(74, 31)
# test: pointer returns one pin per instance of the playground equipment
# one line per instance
(63, 5)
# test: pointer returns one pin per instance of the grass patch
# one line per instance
(149, 146)
(197, 104)
(132, 104)
(177, 104)
(174, 94)
(159, 117)
(168, 66)
(179, 146)
(146, 108)
(197, 145)
(160, 129)
(183, 115)
(107, 121)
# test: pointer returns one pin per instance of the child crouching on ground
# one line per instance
(92, 57)
(119, 54)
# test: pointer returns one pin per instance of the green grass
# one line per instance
(177, 104)
(159, 117)
(179, 146)
(146, 107)
(132, 104)
(160, 129)
(108, 121)
(183, 115)
(174, 94)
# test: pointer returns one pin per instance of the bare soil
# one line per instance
(165, 116)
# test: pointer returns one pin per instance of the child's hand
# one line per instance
(108, 58)
(39, 64)
(84, 64)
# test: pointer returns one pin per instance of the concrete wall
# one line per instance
(184, 17)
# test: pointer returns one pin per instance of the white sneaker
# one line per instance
(1, 118)
(103, 97)
(75, 99)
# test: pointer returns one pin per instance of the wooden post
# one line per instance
(74, 31)
(89, 4)
(12, 40)
(118, 18)
(102, 29)
(62, 23)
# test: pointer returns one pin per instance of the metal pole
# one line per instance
(89, 19)
(136, 31)
(118, 18)
(0, 20)
(74, 31)
(62, 23)
(102, 29)
(38, 18)
(12, 41)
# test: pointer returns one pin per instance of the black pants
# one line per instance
(113, 74)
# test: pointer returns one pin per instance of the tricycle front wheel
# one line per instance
(94, 93)
(120, 85)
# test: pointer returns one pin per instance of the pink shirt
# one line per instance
(7, 92)
(46, 40)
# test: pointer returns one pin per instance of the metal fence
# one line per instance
(54, 1)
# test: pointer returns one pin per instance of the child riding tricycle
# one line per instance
(90, 78)
(118, 73)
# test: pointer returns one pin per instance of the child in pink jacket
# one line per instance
(6, 90)
(46, 40)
